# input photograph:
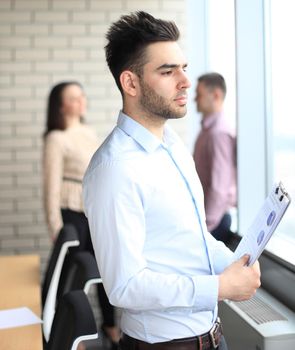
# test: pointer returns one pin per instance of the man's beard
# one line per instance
(157, 105)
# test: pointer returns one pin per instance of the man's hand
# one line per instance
(238, 281)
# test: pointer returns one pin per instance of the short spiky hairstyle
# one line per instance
(129, 37)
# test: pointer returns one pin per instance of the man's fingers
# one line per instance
(244, 259)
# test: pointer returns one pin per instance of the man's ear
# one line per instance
(129, 83)
(218, 94)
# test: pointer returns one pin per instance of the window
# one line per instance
(283, 133)
(257, 61)
(221, 58)
(221, 49)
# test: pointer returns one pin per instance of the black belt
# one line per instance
(205, 341)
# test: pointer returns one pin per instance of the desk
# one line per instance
(20, 286)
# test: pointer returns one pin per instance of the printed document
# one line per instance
(264, 225)
(18, 317)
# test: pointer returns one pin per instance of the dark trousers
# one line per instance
(80, 222)
(127, 345)
(222, 231)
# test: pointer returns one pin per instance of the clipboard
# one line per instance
(264, 224)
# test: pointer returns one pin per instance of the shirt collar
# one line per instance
(143, 136)
(210, 120)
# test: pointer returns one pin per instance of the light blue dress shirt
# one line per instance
(144, 203)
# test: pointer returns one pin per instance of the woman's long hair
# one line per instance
(55, 119)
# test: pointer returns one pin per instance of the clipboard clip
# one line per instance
(281, 188)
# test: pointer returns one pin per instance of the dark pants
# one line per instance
(222, 345)
(80, 222)
(126, 344)
(222, 231)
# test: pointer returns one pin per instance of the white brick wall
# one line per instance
(41, 43)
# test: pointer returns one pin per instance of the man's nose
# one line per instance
(184, 82)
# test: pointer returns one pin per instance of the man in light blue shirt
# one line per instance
(144, 203)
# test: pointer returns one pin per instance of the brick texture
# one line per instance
(43, 42)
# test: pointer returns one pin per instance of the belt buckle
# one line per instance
(215, 333)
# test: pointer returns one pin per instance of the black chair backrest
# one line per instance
(73, 319)
(79, 269)
(67, 233)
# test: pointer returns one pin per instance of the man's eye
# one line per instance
(167, 72)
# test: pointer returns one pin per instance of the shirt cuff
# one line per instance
(206, 292)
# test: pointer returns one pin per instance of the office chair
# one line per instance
(67, 238)
(73, 322)
(81, 273)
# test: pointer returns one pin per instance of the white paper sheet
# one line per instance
(18, 317)
(264, 225)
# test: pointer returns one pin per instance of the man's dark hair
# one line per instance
(128, 39)
(213, 80)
